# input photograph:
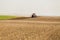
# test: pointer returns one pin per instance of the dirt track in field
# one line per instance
(29, 30)
(24, 21)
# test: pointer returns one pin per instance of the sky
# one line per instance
(27, 7)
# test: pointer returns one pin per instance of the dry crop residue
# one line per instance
(29, 31)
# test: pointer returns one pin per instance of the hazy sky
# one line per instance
(27, 7)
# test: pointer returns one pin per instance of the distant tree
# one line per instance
(34, 15)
